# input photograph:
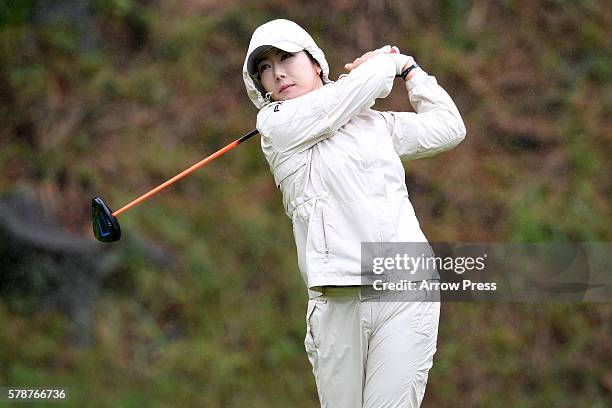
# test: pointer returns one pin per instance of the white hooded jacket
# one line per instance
(337, 161)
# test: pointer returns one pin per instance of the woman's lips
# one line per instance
(284, 87)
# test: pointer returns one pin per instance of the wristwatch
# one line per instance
(407, 70)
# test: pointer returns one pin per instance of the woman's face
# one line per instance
(288, 75)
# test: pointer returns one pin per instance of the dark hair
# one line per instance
(259, 58)
(316, 62)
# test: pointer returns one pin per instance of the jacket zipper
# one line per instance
(325, 246)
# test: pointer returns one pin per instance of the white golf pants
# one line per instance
(371, 350)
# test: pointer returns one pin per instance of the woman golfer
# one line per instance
(337, 164)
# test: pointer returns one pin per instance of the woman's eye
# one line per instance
(286, 55)
(262, 67)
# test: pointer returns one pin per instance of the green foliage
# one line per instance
(223, 324)
(15, 12)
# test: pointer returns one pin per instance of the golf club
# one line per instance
(105, 225)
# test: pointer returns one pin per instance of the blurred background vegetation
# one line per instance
(112, 97)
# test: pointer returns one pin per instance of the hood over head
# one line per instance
(287, 36)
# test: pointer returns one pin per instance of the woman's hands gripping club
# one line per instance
(401, 61)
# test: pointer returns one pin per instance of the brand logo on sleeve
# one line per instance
(276, 108)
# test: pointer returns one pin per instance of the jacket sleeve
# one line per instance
(434, 128)
(297, 124)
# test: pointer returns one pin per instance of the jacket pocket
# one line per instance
(325, 238)
(318, 232)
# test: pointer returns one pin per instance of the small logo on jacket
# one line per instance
(276, 108)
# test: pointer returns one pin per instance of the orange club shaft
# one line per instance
(185, 173)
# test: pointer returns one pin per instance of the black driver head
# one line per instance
(105, 225)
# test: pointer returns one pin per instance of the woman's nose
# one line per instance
(279, 73)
